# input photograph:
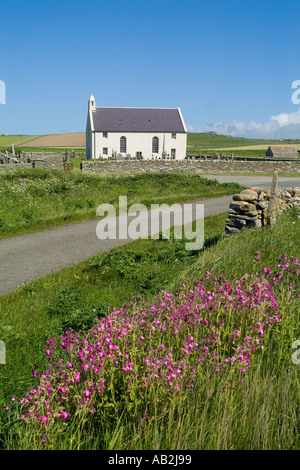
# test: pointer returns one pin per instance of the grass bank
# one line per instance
(74, 296)
(38, 199)
(241, 296)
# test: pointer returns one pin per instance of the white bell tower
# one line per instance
(92, 103)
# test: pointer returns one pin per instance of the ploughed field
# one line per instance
(58, 140)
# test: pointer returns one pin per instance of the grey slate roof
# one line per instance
(137, 120)
(282, 151)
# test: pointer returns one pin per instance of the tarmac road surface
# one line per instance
(28, 257)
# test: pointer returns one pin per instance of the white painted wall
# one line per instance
(140, 142)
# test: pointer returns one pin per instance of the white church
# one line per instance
(144, 133)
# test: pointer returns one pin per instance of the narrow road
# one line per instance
(28, 257)
(262, 181)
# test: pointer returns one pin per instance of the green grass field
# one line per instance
(253, 153)
(261, 414)
(208, 141)
(204, 144)
(17, 140)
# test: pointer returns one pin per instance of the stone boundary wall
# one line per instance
(190, 166)
(251, 208)
(21, 166)
(52, 162)
(49, 161)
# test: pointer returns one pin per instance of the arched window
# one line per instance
(123, 144)
(155, 145)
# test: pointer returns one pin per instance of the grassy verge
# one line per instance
(262, 413)
(38, 199)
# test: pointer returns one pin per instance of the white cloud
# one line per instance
(284, 125)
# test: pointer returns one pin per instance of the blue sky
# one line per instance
(229, 65)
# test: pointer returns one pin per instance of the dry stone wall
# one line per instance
(21, 166)
(48, 161)
(252, 209)
(191, 166)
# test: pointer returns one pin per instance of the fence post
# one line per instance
(272, 208)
